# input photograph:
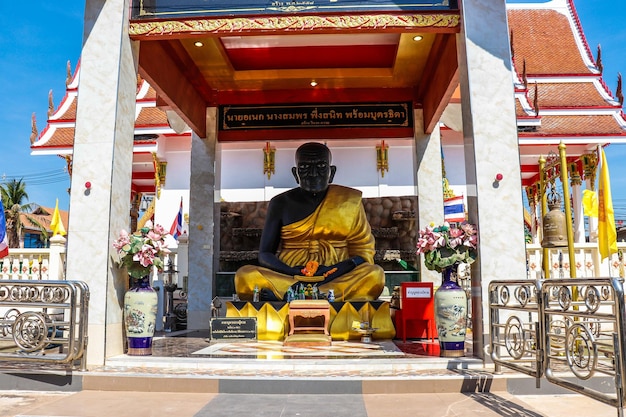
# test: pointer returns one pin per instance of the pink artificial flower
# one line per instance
(146, 256)
(160, 230)
(456, 237)
(122, 241)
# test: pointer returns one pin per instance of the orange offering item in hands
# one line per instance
(332, 271)
(310, 269)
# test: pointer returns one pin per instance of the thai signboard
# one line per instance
(214, 8)
(229, 328)
(373, 115)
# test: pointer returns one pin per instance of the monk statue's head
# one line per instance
(313, 171)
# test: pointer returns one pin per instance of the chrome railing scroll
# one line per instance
(44, 322)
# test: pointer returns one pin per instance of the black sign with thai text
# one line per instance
(199, 8)
(233, 328)
(316, 116)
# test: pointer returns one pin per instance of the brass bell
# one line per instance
(554, 226)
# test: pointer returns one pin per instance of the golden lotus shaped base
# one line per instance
(273, 318)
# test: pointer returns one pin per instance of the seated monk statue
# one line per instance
(316, 233)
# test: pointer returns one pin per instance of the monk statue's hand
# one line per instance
(296, 271)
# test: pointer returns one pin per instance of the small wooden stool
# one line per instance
(309, 309)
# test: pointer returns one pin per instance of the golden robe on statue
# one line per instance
(337, 230)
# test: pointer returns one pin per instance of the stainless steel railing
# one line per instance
(44, 322)
(570, 330)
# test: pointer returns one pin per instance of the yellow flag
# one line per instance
(607, 235)
(590, 203)
(56, 224)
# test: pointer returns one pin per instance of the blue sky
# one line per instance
(38, 38)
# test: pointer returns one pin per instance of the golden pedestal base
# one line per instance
(307, 340)
(273, 318)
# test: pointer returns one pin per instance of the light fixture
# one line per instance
(382, 158)
(313, 83)
(198, 44)
(268, 160)
(418, 38)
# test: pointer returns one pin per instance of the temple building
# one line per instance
(416, 102)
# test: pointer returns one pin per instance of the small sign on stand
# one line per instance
(233, 328)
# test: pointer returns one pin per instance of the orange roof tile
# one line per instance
(577, 125)
(151, 116)
(545, 40)
(567, 95)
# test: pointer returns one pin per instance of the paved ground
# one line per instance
(148, 404)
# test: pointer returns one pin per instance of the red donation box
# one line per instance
(416, 317)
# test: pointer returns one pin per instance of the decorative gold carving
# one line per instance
(590, 163)
(574, 173)
(269, 160)
(69, 164)
(532, 193)
(294, 23)
(382, 158)
(159, 173)
(147, 215)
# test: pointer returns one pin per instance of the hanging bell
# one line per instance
(554, 227)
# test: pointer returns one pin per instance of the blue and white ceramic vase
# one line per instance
(451, 315)
(140, 312)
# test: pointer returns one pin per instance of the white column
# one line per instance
(103, 152)
(57, 248)
(491, 147)
(577, 208)
(429, 180)
(203, 225)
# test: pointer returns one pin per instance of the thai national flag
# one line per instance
(177, 227)
(4, 242)
(453, 210)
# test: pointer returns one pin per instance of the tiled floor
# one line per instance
(196, 344)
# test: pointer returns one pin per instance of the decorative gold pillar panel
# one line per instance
(269, 159)
(382, 158)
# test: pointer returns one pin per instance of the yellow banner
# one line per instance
(607, 235)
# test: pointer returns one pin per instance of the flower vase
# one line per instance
(140, 312)
(451, 315)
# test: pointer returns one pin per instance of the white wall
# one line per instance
(242, 177)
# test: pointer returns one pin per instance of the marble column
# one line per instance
(577, 207)
(103, 153)
(429, 180)
(491, 148)
(204, 224)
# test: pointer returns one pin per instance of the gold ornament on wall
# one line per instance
(269, 159)
(160, 169)
(382, 158)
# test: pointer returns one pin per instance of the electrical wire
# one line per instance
(38, 178)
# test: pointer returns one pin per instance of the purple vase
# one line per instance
(451, 315)
(140, 311)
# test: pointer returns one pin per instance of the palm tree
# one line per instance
(14, 197)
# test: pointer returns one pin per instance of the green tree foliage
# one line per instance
(15, 202)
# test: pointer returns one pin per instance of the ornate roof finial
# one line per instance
(618, 90)
(69, 162)
(524, 77)
(34, 132)
(68, 70)
(536, 100)
(50, 104)
(599, 59)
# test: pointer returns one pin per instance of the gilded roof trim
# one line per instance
(294, 23)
